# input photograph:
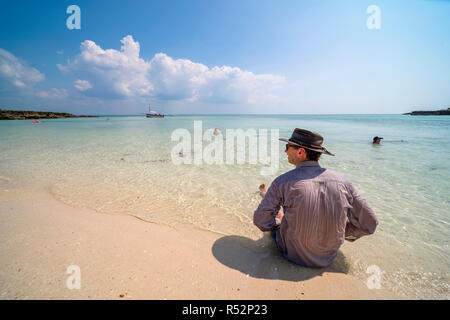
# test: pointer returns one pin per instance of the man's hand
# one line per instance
(280, 214)
(263, 189)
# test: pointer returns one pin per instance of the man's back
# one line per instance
(321, 208)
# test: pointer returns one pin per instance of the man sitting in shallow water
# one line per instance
(311, 210)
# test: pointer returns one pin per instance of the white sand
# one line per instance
(122, 255)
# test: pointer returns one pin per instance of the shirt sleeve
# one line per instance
(361, 218)
(264, 216)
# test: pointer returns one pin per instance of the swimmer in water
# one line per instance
(377, 140)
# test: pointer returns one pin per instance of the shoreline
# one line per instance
(30, 115)
(124, 257)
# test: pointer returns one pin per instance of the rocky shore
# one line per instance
(25, 115)
(430, 113)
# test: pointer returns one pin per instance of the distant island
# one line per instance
(442, 112)
(25, 115)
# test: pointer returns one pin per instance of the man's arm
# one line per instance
(361, 218)
(264, 216)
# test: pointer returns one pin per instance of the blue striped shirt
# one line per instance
(321, 210)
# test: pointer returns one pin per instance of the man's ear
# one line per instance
(302, 151)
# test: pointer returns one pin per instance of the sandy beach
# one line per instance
(134, 136)
(123, 257)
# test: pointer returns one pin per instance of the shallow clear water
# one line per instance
(123, 165)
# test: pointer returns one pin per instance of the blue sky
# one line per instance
(225, 56)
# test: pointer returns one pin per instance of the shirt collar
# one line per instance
(309, 163)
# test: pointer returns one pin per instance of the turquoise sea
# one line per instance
(123, 166)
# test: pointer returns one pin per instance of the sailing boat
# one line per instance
(153, 114)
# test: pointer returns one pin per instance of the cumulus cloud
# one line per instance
(14, 74)
(82, 85)
(123, 74)
(53, 93)
(111, 73)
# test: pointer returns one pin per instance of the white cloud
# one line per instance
(15, 74)
(111, 73)
(123, 74)
(82, 85)
(53, 93)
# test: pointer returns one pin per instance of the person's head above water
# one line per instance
(304, 145)
(377, 140)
